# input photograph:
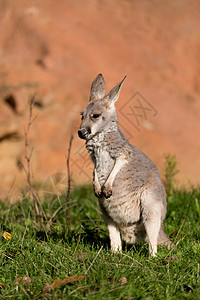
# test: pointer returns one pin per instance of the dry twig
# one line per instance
(28, 155)
(69, 182)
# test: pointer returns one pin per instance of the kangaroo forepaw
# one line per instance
(97, 191)
(98, 194)
(107, 191)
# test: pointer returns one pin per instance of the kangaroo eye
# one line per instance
(95, 116)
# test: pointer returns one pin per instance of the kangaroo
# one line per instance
(127, 183)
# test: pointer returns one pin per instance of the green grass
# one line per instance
(33, 258)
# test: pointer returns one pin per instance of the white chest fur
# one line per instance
(99, 151)
(103, 163)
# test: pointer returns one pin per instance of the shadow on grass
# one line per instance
(94, 237)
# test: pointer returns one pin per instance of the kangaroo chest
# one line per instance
(124, 204)
(103, 163)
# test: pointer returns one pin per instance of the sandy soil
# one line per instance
(54, 49)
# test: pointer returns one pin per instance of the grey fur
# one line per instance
(98, 88)
(131, 195)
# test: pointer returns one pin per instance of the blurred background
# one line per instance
(54, 49)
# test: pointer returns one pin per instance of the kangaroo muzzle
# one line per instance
(82, 133)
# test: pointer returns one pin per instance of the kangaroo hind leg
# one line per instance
(114, 232)
(152, 220)
(163, 239)
(152, 226)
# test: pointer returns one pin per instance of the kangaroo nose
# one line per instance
(82, 133)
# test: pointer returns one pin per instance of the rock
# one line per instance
(55, 53)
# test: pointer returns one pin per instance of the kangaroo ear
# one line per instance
(98, 88)
(113, 95)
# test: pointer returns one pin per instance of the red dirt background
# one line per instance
(54, 49)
